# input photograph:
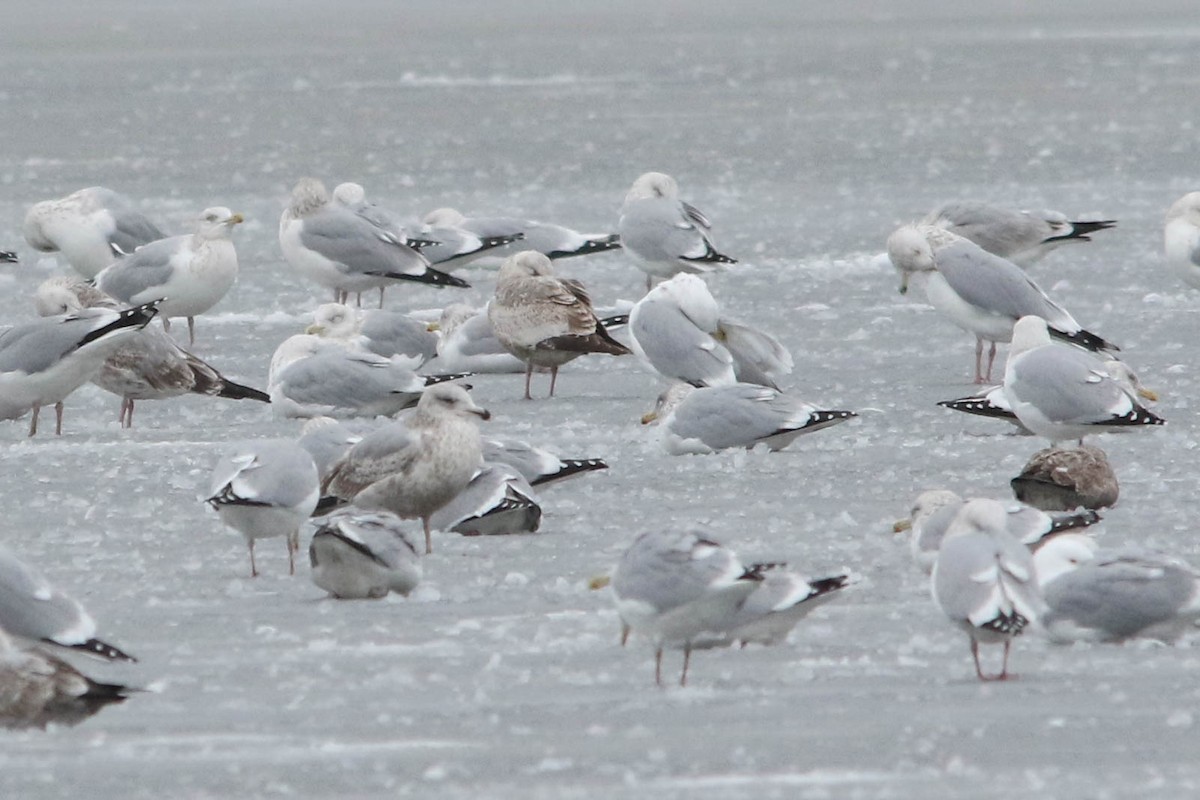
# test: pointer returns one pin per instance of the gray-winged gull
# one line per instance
(553, 241)
(1181, 238)
(408, 342)
(498, 501)
(358, 554)
(1022, 237)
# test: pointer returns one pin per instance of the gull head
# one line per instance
(1185, 208)
(449, 399)
(525, 264)
(53, 299)
(217, 222)
(349, 194)
(452, 317)
(652, 184)
(668, 401)
(926, 504)
(308, 195)
(910, 252)
(1029, 332)
(1062, 554)
(34, 234)
(333, 321)
(444, 218)
(979, 516)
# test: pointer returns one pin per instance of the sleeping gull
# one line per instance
(148, 366)
(1181, 238)
(544, 320)
(1063, 392)
(339, 249)
(1114, 595)
(326, 440)
(414, 466)
(43, 361)
(675, 587)
(497, 501)
(358, 555)
(665, 235)
(539, 467)
(553, 241)
(408, 342)
(678, 328)
(984, 580)
(90, 228)
(468, 344)
(935, 509)
(706, 420)
(263, 488)
(188, 274)
(979, 292)
(1022, 237)
(34, 612)
(1060, 479)
(37, 689)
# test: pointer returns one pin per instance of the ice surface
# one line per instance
(806, 135)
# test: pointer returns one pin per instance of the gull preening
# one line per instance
(544, 320)
(414, 466)
(1022, 237)
(265, 488)
(90, 228)
(665, 235)
(979, 292)
(185, 275)
(1181, 238)
(358, 555)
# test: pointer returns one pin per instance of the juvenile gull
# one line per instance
(147, 366)
(678, 328)
(665, 235)
(544, 320)
(934, 510)
(43, 361)
(406, 341)
(90, 228)
(1060, 479)
(552, 241)
(539, 467)
(1181, 238)
(1022, 237)
(37, 689)
(497, 501)
(326, 440)
(705, 420)
(414, 466)
(34, 612)
(1114, 595)
(264, 488)
(187, 275)
(357, 555)
(979, 292)
(1063, 392)
(332, 245)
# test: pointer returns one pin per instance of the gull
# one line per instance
(665, 235)
(1063, 392)
(468, 343)
(313, 377)
(705, 420)
(147, 366)
(678, 329)
(90, 228)
(544, 320)
(1022, 237)
(326, 440)
(676, 587)
(984, 580)
(37, 689)
(935, 509)
(264, 488)
(34, 612)
(781, 600)
(358, 555)
(43, 361)
(553, 241)
(414, 466)
(979, 292)
(451, 246)
(406, 341)
(539, 467)
(497, 501)
(1114, 595)
(1060, 479)
(339, 249)
(1181, 238)
(186, 275)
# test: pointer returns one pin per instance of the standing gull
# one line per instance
(1181, 238)
(984, 580)
(265, 488)
(1022, 237)
(187, 274)
(979, 292)
(544, 320)
(357, 555)
(413, 467)
(665, 235)
(1063, 392)
(43, 361)
(34, 612)
(90, 228)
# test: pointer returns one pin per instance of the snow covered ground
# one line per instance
(806, 135)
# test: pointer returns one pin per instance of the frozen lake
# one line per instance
(806, 135)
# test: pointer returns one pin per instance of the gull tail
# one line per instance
(978, 405)
(1136, 417)
(1073, 521)
(711, 256)
(104, 650)
(1080, 230)
(598, 244)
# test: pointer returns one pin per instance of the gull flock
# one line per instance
(997, 567)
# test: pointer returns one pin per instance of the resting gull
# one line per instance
(1022, 237)
(407, 341)
(326, 440)
(1063, 478)
(1181, 238)
(357, 555)
(553, 241)
(497, 501)
(538, 466)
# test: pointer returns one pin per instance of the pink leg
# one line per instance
(166, 323)
(975, 655)
(991, 361)
(33, 421)
(191, 331)
(428, 536)
(553, 379)
(293, 544)
(624, 634)
(528, 376)
(358, 299)
(253, 568)
(381, 296)
(658, 666)
(687, 657)
(978, 360)
(58, 412)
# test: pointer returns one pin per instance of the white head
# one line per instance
(444, 218)
(1061, 554)
(217, 222)
(910, 252)
(294, 348)
(525, 264)
(349, 194)
(979, 516)
(927, 503)
(668, 401)
(443, 399)
(453, 316)
(334, 321)
(1028, 333)
(691, 295)
(54, 297)
(308, 195)
(1185, 208)
(652, 184)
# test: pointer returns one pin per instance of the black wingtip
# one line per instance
(488, 242)
(8, 257)
(326, 504)
(1074, 521)
(1080, 230)
(430, 380)
(831, 584)
(104, 650)
(823, 419)
(431, 277)
(136, 317)
(1085, 339)
(1137, 416)
(980, 406)
(615, 321)
(610, 242)
(236, 391)
(571, 467)
(711, 256)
